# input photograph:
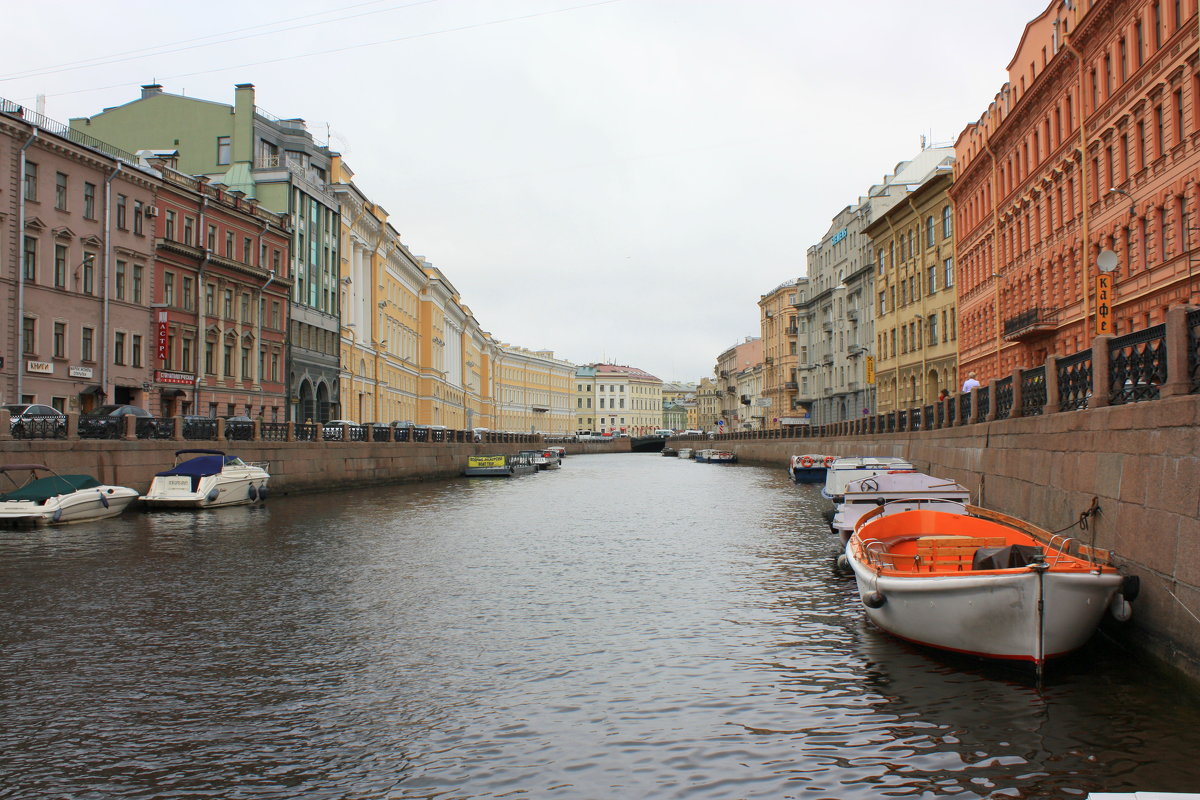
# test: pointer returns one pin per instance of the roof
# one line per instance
(631, 372)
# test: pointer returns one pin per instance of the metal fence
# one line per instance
(1074, 381)
(1033, 391)
(1137, 365)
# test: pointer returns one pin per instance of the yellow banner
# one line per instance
(870, 369)
(485, 461)
(1103, 304)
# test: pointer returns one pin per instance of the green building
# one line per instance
(276, 162)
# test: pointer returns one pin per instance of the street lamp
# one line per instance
(349, 328)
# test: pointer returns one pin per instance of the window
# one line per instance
(189, 230)
(186, 356)
(31, 181)
(948, 272)
(227, 361)
(137, 283)
(929, 231)
(1178, 117)
(170, 227)
(29, 336)
(136, 350)
(1158, 26)
(212, 238)
(1159, 137)
(209, 300)
(246, 364)
(882, 303)
(60, 191)
(224, 149)
(85, 344)
(60, 340)
(121, 201)
(228, 304)
(947, 222)
(209, 366)
(120, 280)
(119, 347)
(931, 274)
(245, 309)
(30, 259)
(137, 217)
(89, 273)
(60, 266)
(933, 329)
(274, 313)
(247, 249)
(275, 261)
(1123, 57)
(187, 289)
(229, 244)
(1141, 43)
(89, 201)
(169, 289)
(1141, 145)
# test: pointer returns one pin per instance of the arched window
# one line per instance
(929, 236)
(947, 221)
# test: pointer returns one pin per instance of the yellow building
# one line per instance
(778, 318)
(610, 398)
(916, 328)
(534, 391)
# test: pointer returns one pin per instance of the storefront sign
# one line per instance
(870, 369)
(161, 332)
(179, 378)
(1103, 304)
(805, 420)
(43, 367)
(837, 237)
(79, 372)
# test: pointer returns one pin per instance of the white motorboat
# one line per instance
(43, 497)
(209, 478)
(722, 457)
(809, 468)
(684, 452)
(844, 470)
(978, 582)
(895, 491)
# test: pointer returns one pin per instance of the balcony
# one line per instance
(854, 349)
(1030, 324)
(852, 314)
(745, 399)
(792, 330)
(827, 326)
(730, 390)
(827, 358)
(791, 386)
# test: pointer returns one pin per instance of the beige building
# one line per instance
(617, 399)
(534, 392)
(916, 329)
(730, 364)
(777, 314)
(709, 397)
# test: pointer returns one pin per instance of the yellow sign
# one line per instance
(1103, 304)
(485, 461)
(870, 369)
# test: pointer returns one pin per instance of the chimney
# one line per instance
(151, 89)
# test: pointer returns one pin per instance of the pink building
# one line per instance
(78, 261)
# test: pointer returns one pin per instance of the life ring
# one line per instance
(805, 461)
(829, 461)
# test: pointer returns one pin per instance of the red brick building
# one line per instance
(1093, 144)
(222, 285)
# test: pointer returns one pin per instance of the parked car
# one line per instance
(239, 427)
(107, 422)
(334, 423)
(35, 420)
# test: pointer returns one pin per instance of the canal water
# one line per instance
(630, 626)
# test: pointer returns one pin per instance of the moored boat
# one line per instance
(43, 497)
(844, 470)
(499, 466)
(896, 491)
(208, 479)
(982, 583)
(701, 456)
(669, 452)
(685, 452)
(809, 468)
(722, 457)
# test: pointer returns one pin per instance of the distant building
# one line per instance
(618, 399)
(780, 331)
(534, 391)
(746, 355)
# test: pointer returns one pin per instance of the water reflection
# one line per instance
(628, 626)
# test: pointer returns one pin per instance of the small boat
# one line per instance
(208, 479)
(809, 468)
(499, 466)
(722, 457)
(43, 497)
(669, 452)
(685, 452)
(844, 470)
(542, 459)
(979, 582)
(895, 491)
(558, 450)
(701, 456)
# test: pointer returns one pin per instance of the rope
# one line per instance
(1082, 522)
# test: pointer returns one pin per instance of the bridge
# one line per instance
(647, 444)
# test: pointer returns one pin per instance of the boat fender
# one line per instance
(262, 493)
(843, 563)
(805, 461)
(829, 461)
(57, 515)
(1120, 608)
(1131, 587)
(252, 492)
(213, 495)
(874, 600)
(103, 500)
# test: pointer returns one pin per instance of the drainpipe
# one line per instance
(1083, 195)
(995, 267)
(262, 307)
(107, 273)
(201, 336)
(19, 356)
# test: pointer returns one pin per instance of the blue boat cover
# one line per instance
(42, 489)
(197, 467)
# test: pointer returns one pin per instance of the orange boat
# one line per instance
(976, 581)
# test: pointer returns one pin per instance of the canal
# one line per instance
(629, 626)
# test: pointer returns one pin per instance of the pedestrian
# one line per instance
(942, 395)
(970, 383)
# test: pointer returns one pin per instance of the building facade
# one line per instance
(534, 391)
(612, 398)
(1092, 145)
(780, 338)
(746, 355)
(77, 238)
(916, 320)
(278, 163)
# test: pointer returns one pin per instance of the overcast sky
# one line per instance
(614, 180)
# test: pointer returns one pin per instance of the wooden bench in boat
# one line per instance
(952, 553)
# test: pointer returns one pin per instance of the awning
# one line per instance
(172, 392)
(95, 389)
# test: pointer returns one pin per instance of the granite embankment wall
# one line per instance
(295, 466)
(1141, 462)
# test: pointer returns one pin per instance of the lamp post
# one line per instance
(378, 383)
(920, 320)
(349, 328)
